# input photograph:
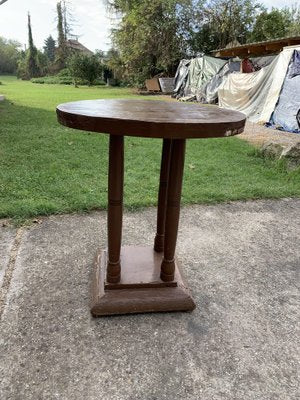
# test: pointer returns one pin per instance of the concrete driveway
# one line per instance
(242, 263)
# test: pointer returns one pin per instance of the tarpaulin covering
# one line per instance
(285, 114)
(256, 94)
(260, 62)
(192, 76)
(181, 77)
(210, 91)
(201, 70)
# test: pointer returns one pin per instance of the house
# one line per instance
(76, 46)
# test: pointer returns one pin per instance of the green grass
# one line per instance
(46, 168)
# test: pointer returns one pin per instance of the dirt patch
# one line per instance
(258, 135)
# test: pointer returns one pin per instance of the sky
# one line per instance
(93, 22)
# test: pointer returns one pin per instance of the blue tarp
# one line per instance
(285, 114)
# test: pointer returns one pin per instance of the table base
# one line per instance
(140, 290)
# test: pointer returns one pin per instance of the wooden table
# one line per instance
(141, 279)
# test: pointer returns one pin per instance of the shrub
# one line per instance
(62, 79)
(84, 67)
(99, 82)
(53, 80)
(64, 72)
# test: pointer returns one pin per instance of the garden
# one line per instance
(47, 168)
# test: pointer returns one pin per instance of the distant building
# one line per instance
(76, 46)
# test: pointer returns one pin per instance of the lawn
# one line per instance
(46, 168)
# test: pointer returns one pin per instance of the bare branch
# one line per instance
(2, 2)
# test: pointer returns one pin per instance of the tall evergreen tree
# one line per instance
(32, 64)
(61, 53)
(67, 18)
(60, 25)
(49, 48)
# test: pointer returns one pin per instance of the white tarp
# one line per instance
(256, 94)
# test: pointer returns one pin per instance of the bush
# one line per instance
(99, 82)
(82, 67)
(64, 72)
(53, 80)
(62, 79)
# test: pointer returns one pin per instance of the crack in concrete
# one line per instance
(10, 269)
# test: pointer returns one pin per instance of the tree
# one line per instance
(43, 63)
(204, 40)
(9, 55)
(113, 65)
(84, 67)
(294, 28)
(226, 21)
(32, 63)
(60, 25)
(271, 25)
(49, 48)
(151, 37)
(68, 18)
(61, 52)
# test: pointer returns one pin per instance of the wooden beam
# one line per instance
(293, 42)
(260, 49)
(274, 46)
(242, 52)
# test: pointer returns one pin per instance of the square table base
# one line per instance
(140, 290)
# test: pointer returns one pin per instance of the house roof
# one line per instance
(77, 46)
(258, 48)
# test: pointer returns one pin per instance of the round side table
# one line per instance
(136, 279)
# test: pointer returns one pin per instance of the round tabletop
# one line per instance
(151, 118)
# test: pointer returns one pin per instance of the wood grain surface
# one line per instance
(142, 290)
(151, 118)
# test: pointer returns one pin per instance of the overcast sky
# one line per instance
(93, 22)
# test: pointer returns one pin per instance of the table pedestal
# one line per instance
(141, 279)
(140, 289)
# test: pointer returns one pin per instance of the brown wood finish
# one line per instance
(173, 208)
(140, 269)
(258, 48)
(162, 195)
(134, 279)
(151, 118)
(115, 206)
(138, 297)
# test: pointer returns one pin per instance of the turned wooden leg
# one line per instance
(115, 207)
(173, 208)
(162, 195)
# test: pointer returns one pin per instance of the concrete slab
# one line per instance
(7, 237)
(242, 262)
